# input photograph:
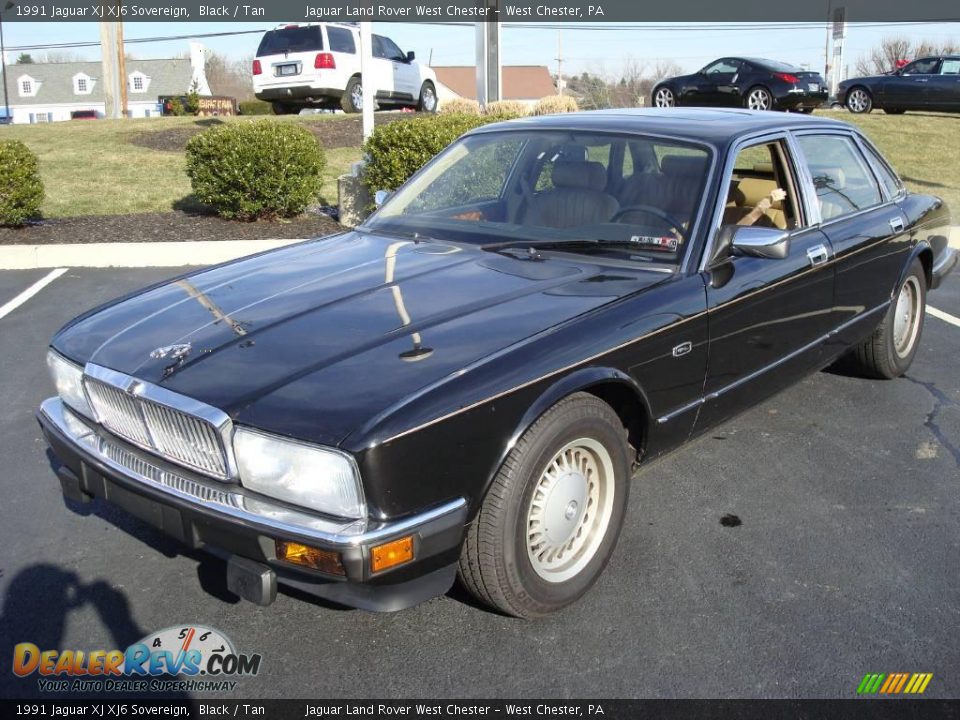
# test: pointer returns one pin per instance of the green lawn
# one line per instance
(924, 148)
(91, 168)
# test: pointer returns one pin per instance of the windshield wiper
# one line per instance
(558, 243)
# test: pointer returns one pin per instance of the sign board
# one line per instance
(839, 23)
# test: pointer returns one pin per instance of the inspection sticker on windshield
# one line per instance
(664, 244)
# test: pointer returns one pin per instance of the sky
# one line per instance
(595, 49)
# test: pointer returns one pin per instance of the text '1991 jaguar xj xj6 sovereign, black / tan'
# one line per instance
(465, 384)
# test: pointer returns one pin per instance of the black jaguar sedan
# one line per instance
(466, 383)
(751, 83)
(931, 83)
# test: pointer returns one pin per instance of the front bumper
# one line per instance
(244, 527)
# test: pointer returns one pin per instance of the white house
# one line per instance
(50, 92)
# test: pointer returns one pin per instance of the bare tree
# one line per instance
(895, 50)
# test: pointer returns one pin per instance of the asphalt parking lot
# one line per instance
(845, 560)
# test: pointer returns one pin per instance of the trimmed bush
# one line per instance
(460, 106)
(397, 150)
(21, 189)
(554, 104)
(255, 107)
(506, 109)
(253, 170)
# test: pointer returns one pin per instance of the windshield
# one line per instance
(623, 194)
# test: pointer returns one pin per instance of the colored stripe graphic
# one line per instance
(894, 683)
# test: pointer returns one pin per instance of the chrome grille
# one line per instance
(172, 434)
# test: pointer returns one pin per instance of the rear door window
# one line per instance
(303, 38)
(951, 66)
(841, 177)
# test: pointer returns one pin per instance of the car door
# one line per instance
(944, 87)
(767, 317)
(864, 224)
(382, 68)
(719, 79)
(909, 88)
(404, 73)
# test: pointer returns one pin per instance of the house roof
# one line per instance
(520, 82)
(167, 77)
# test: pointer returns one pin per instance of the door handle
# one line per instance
(921, 80)
(818, 255)
(896, 224)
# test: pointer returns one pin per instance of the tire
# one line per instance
(894, 111)
(428, 98)
(280, 108)
(758, 98)
(888, 352)
(859, 100)
(523, 573)
(352, 99)
(663, 97)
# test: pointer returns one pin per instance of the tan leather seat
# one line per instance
(675, 190)
(577, 197)
(746, 196)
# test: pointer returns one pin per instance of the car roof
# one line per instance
(714, 126)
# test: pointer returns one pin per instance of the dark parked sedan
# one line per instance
(750, 83)
(931, 83)
(465, 383)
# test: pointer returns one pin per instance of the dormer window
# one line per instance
(82, 84)
(139, 82)
(27, 86)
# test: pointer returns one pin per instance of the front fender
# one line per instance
(580, 380)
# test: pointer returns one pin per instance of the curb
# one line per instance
(132, 254)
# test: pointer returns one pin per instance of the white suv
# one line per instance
(318, 65)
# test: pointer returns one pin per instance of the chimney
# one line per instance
(197, 57)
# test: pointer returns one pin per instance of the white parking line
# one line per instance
(946, 317)
(31, 291)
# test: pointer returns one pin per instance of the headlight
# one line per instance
(68, 379)
(302, 474)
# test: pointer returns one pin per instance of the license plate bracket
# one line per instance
(288, 69)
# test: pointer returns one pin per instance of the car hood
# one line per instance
(314, 339)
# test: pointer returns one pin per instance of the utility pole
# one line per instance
(366, 79)
(122, 67)
(826, 46)
(3, 61)
(559, 62)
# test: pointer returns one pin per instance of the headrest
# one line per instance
(764, 168)
(580, 175)
(828, 177)
(754, 190)
(683, 165)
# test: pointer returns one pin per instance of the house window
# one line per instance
(26, 87)
(81, 85)
(43, 117)
(138, 82)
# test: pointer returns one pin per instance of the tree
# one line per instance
(24, 59)
(896, 49)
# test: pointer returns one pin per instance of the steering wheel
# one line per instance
(671, 221)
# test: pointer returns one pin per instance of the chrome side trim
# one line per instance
(776, 363)
(228, 501)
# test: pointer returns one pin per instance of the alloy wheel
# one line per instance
(858, 101)
(758, 99)
(664, 98)
(905, 318)
(570, 510)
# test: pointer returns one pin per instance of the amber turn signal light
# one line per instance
(311, 557)
(391, 554)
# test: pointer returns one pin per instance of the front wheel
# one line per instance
(551, 518)
(859, 101)
(759, 98)
(664, 98)
(889, 351)
(428, 98)
(352, 99)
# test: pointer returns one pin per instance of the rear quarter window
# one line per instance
(341, 40)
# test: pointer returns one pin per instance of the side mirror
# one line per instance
(381, 196)
(411, 56)
(761, 242)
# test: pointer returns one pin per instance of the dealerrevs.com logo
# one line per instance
(200, 658)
